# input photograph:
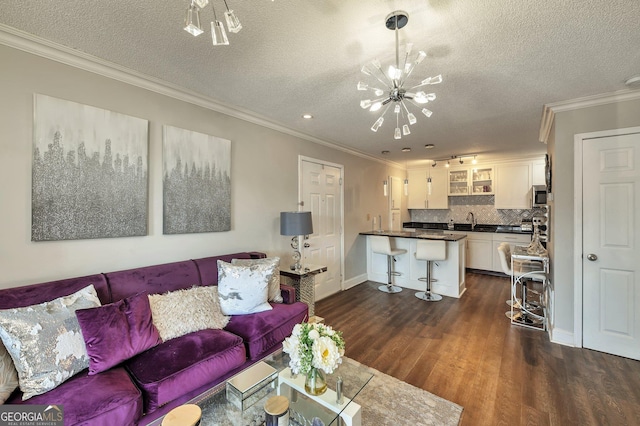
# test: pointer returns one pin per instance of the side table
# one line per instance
(304, 282)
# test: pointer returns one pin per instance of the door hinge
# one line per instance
(340, 181)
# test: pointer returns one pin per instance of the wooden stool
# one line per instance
(184, 415)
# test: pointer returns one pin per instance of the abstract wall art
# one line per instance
(89, 172)
(196, 182)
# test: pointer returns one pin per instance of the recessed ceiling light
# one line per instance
(406, 149)
(307, 116)
(429, 146)
(633, 82)
(385, 152)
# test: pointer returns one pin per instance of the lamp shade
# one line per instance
(295, 223)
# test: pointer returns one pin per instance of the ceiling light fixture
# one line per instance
(218, 33)
(307, 116)
(394, 83)
(460, 159)
(429, 146)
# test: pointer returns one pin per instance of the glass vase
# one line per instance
(315, 383)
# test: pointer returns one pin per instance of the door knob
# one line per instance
(592, 257)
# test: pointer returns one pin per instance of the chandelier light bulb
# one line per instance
(362, 85)
(377, 124)
(405, 130)
(218, 34)
(420, 57)
(431, 97)
(233, 23)
(397, 134)
(436, 80)
(376, 106)
(365, 70)
(365, 103)
(412, 118)
(396, 109)
(378, 92)
(427, 112)
(421, 98)
(201, 3)
(192, 21)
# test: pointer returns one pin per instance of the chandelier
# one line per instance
(218, 34)
(394, 93)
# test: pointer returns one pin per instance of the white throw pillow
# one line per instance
(45, 341)
(244, 289)
(181, 312)
(274, 283)
(8, 375)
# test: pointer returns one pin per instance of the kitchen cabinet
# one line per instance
(514, 181)
(479, 253)
(425, 196)
(471, 181)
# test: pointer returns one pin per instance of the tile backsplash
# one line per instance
(482, 207)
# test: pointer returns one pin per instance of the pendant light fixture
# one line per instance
(218, 33)
(393, 84)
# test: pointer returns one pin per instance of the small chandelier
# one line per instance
(218, 34)
(394, 91)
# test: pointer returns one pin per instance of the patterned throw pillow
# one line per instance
(244, 289)
(45, 341)
(274, 283)
(8, 375)
(180, 312)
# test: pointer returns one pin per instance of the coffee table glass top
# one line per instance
(216, 410)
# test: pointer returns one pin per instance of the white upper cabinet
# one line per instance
(424, 194)
(514, 182)
(471, 181)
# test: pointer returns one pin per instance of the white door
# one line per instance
(321, 194)
(611, 235)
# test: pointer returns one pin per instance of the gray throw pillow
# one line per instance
(45, 341)
(274, 283)
(8, 375)
(244, 289)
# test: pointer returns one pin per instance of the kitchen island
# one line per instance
(450, 273)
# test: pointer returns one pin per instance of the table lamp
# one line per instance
(296, 224)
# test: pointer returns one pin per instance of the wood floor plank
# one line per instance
(466, 350)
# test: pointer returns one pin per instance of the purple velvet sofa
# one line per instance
(150, 384)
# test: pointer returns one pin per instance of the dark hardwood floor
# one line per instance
(466, 350)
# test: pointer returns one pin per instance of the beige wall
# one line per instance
(264, 179)
(561, 148)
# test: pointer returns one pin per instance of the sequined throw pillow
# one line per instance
(45, 341)
(244, 289)
(274, 283)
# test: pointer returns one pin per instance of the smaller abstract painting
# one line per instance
(196, 182)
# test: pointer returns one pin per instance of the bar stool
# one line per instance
(382, 245)
(430, 251)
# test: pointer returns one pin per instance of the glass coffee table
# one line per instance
(304, 410)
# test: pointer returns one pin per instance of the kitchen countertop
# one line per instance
(428, 235)
(506, 229)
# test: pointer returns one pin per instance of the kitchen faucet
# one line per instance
(472, 220)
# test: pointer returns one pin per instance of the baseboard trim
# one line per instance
(561, 337)
(352, 282)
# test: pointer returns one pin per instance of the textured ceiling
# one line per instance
(501, 61)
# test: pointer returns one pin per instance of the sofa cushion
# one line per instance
(183, 364)
(45, 341)
(153, 279)
(106, 399)
(180, 312)
(117, 331)
(263, 330)
(18, 297)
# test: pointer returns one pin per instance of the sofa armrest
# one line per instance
(288, 294)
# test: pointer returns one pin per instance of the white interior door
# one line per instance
(321, 192)
(611, 215)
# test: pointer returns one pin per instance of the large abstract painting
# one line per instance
(197, 182)
(89, 172)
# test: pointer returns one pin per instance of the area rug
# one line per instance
(386, 400)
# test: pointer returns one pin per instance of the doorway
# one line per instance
(320, 191)
(607, 242)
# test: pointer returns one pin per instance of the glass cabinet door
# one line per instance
(482, 181)
(459, 182)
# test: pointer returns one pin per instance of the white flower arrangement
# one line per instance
(314, 346)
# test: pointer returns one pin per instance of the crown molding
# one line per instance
(35, 45)
(549, 110)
